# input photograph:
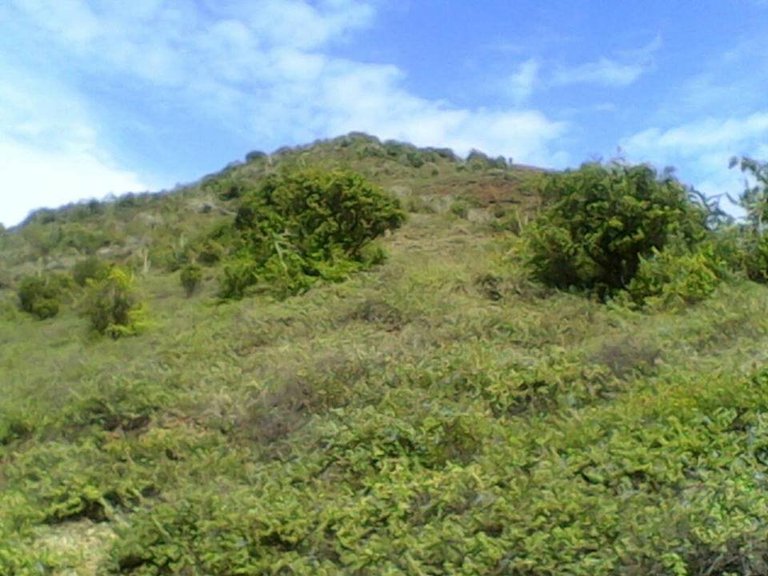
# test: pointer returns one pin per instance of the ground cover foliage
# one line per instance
(442, 412)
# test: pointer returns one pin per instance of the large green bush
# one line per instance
(301, 226)
(598, 222)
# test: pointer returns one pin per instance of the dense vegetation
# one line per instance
(600, 221)
(301, 226)
(624, 231)
(446, 411)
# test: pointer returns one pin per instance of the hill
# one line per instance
(439, 413)
(128, 227)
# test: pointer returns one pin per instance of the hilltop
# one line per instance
(438, 413)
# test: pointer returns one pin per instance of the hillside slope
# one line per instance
(438, 414)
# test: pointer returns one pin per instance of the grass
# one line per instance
(438, 414)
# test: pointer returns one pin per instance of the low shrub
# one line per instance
(459, 208)
(755, 257)
(91, 268)
(190, 277)
(676, 277)
(112, 307)
(71, 481)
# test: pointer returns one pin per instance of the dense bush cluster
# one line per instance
(298, 227)
(598, 223)
(753, 241)
(677, 277)
(40, 295)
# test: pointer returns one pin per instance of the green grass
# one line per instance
(439, 414)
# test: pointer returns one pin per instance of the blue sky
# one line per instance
(101, 96)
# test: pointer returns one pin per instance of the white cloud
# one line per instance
(69, 20)
(732, 80)
(373, 101)
(604, 72)
(623, 71)
(259, 69)
(522, 82)
(302, 25)
(709, 134)
(33, 179)
(705, 147)
(51, 151)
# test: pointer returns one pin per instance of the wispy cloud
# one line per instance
(43, 178)
(703, 135)
(604, 72)
(732, 80)
(623, 70)
(708, 117)
(522, 82)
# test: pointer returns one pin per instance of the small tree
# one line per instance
(598, 222)
(111, 305)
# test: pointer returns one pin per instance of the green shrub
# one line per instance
(190, 277)
(599, 222)
(676, 277)
(303, 226)
(40, 296)
(508, 219)
(71, 481)
(756, 257)
(460, 208)
(112, 307)
(18, 557)
(117, 403)
(84, 238)
(91, 268)
(754, 200)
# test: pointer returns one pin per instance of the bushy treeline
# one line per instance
(617, 231)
